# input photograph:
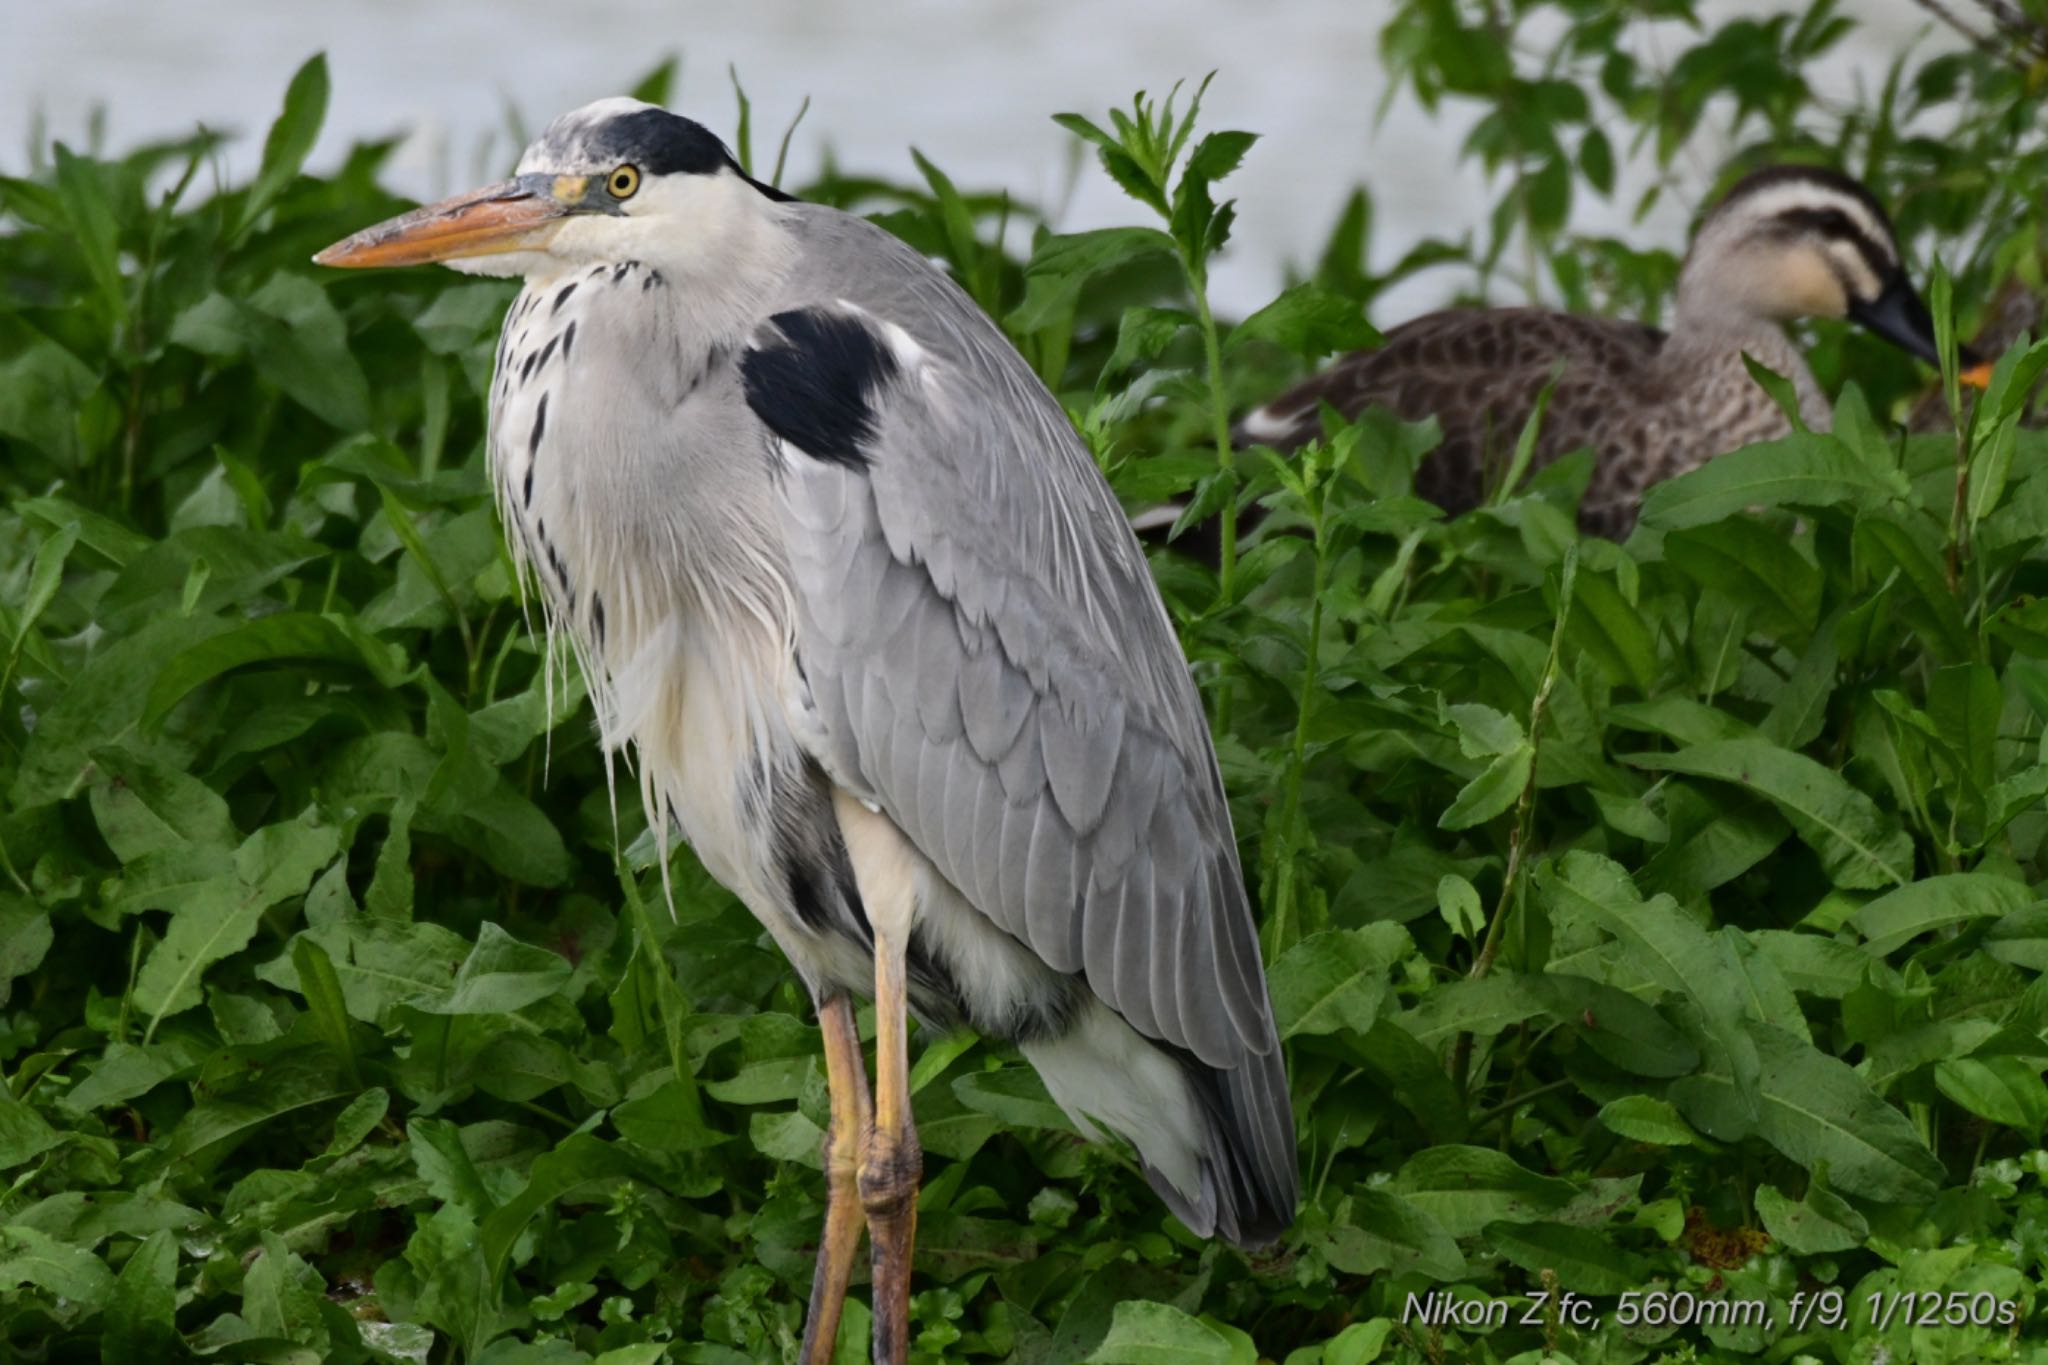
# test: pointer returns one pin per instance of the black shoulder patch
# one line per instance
(815, 384)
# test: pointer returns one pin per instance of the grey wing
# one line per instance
(990, 662)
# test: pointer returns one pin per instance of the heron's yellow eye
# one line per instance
(623, 181)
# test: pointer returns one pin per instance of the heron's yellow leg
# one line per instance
(891, 1160)
(846, 1076)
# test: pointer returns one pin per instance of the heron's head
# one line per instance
(615, 180)
(1801, 241)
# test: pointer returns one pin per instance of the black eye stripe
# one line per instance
(1833, 223)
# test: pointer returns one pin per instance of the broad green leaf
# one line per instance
(1376, 1230)
(142, 1317)
(1645, 1118)
(1753, 564)
(1015, 1095)
(1160, 1334)
(1886, 547)
(669, 1118)
(325, 1002)
(1896, 918)
(25, 938)
(1860, 847)
(143, 807)
(580, 1161)
(1611, 629)
(297, 636)
(379, 963)
(500, 975)
(28, 1256)
(1466, 1188)
(101, 709)
(2004, 1090)
(274, 864)
(1309, 321)
(24, 1133)
(95, 230)
(1497, 787)
(282, 1296)
(291, 137)
(1336, 979)
(1815, 1109)
(1802, 470)
(1458, 901)
(1668, 948)
(1063, 264)
(1580, 1257)
(1819, 1224)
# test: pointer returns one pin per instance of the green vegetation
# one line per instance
(1644, 920)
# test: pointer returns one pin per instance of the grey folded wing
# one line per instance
(991, 665)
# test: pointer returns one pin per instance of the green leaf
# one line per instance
(1336, 979)
(579, 1161)
(1801, 470)
(1466, 1188)
(1580, 1257)
(298, 636)
(1458, 901)
(379, 963)
(291, 137)
(142, 1318)
(1062, 265)
(1753, 564)
(1859, 846)
(1666, 947)
(1377, 1231)
(1498, 786)
(28, 1256)
(1816, 1109)
(500, 975)
(95, 231)
(1309, 321)
(1160, 1334)
(1645, 1118)
(1895, 919)
(25, 938)
(1821, 1224)
(1015, 1095)
(144, 807)
(2004, 1090)
(325, 1002)
(282, 1296)
(24, 1133)
(1886, 546)
(274, 864)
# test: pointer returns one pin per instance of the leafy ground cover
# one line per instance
(1654, 928)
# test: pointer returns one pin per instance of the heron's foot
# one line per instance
(852, 1118)
(844, 1220)
(891, 1164)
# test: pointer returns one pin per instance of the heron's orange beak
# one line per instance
(513, 215)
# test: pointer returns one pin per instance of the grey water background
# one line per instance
(970, 83)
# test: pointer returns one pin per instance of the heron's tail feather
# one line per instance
(1217, 1145)
(1250, 1181)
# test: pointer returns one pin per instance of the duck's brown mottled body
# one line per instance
(1785, 243)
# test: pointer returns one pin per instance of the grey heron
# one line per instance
(841, 574)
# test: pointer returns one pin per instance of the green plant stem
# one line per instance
(1525, 809)
(1290, 821)
(1219, 421)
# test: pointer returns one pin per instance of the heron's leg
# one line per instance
(846, 1075)
(891, 1160)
